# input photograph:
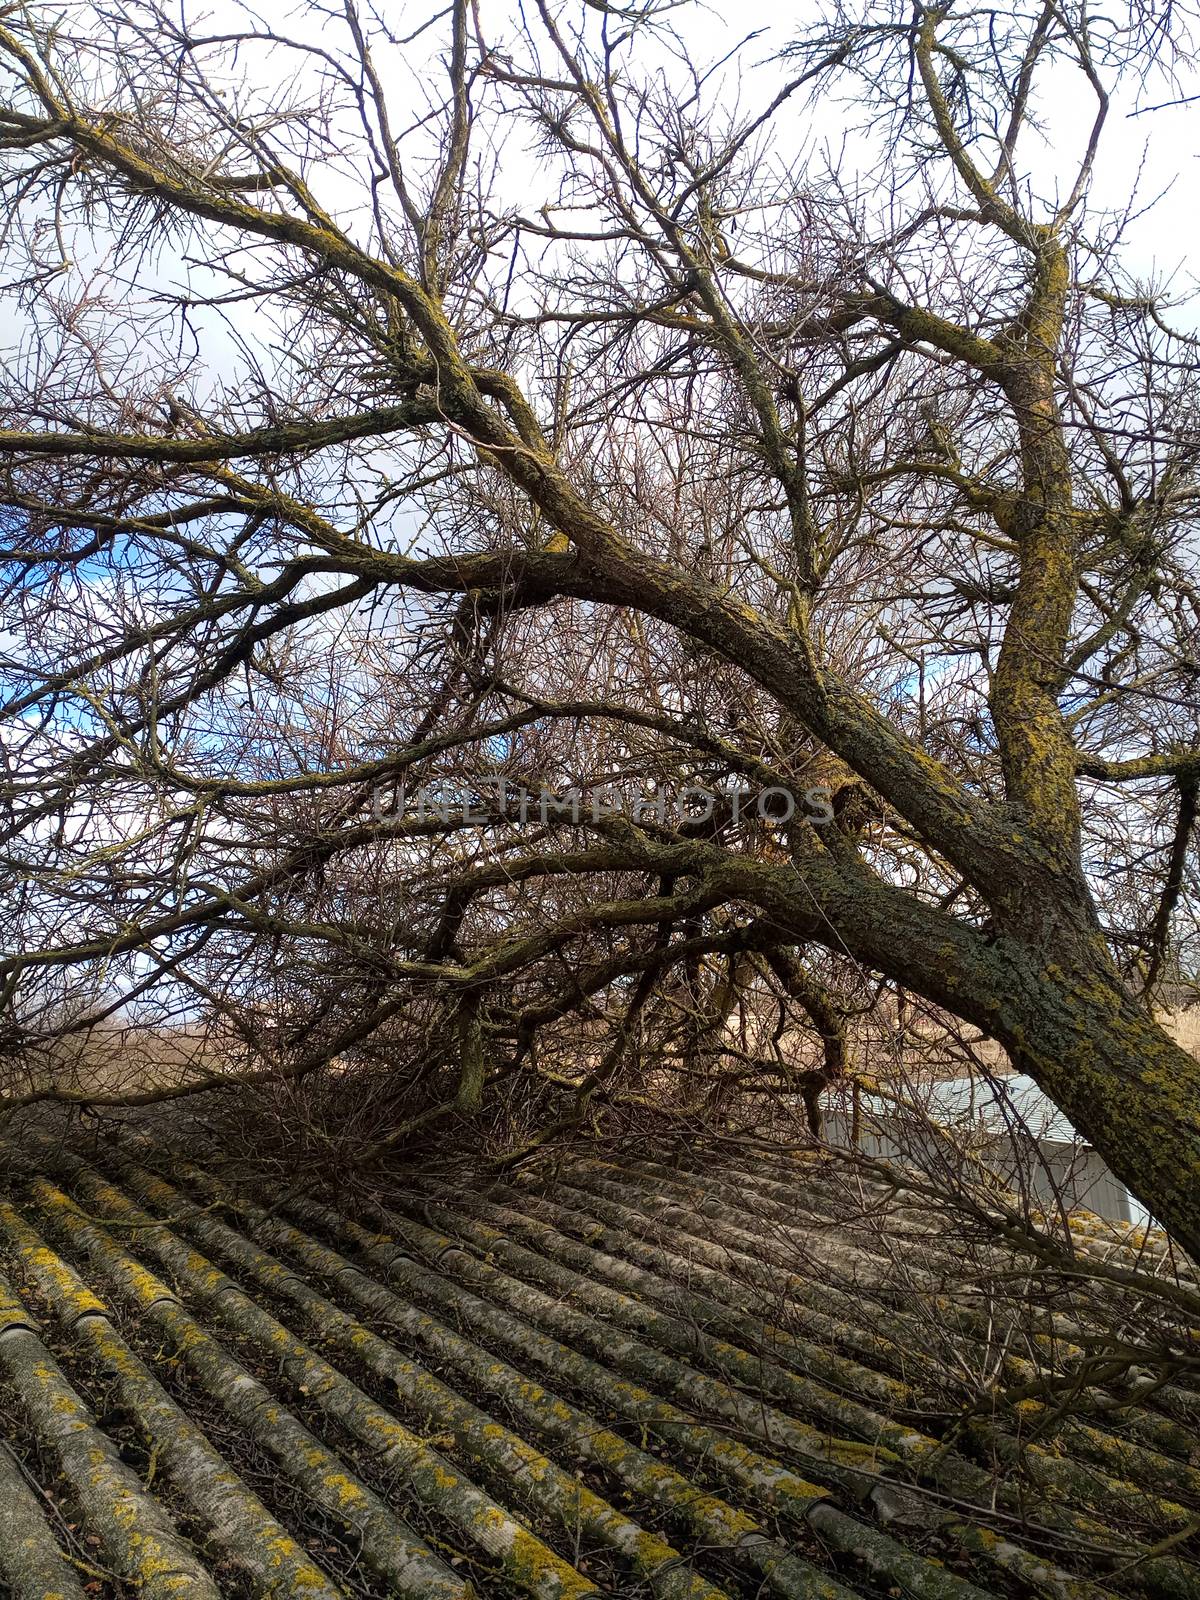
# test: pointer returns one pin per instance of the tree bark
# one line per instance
(1118, 1077)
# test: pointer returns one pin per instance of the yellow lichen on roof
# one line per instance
(624, 1381)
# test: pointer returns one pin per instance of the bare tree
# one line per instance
(552, 415)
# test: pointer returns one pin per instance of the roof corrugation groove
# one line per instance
(625, 1382)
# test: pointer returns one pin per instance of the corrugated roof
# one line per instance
(624, 1383)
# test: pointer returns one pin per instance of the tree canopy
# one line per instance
(545, 402)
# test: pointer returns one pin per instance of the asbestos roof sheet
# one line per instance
(630, 1378)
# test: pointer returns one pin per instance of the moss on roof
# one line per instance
(633, 1379)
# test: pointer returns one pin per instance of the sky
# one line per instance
(1154, 154)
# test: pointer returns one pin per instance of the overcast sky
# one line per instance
(1155, 154)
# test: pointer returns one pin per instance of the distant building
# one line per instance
(1013, 1131)
(962, 1082)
